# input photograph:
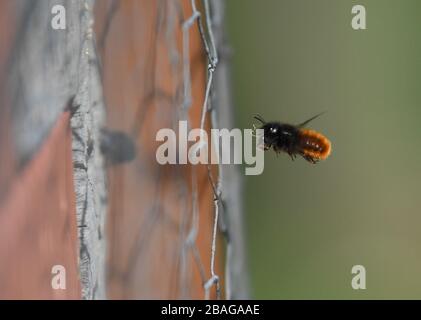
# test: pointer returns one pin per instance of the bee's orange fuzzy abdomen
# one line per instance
(314, 144)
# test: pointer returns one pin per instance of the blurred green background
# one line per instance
(307, 225)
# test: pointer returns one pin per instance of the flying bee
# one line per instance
(294, 139)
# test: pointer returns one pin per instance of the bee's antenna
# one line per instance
(312, 118)
(259, 117)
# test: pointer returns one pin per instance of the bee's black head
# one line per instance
(271, 132)
(279, 135)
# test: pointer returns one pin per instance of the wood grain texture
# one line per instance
(38, 223)
(150, 209)
(44, 73)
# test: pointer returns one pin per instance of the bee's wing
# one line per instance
(312, 118)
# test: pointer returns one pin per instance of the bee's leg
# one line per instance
(277, 150)
(310, 159)
(291, 154)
